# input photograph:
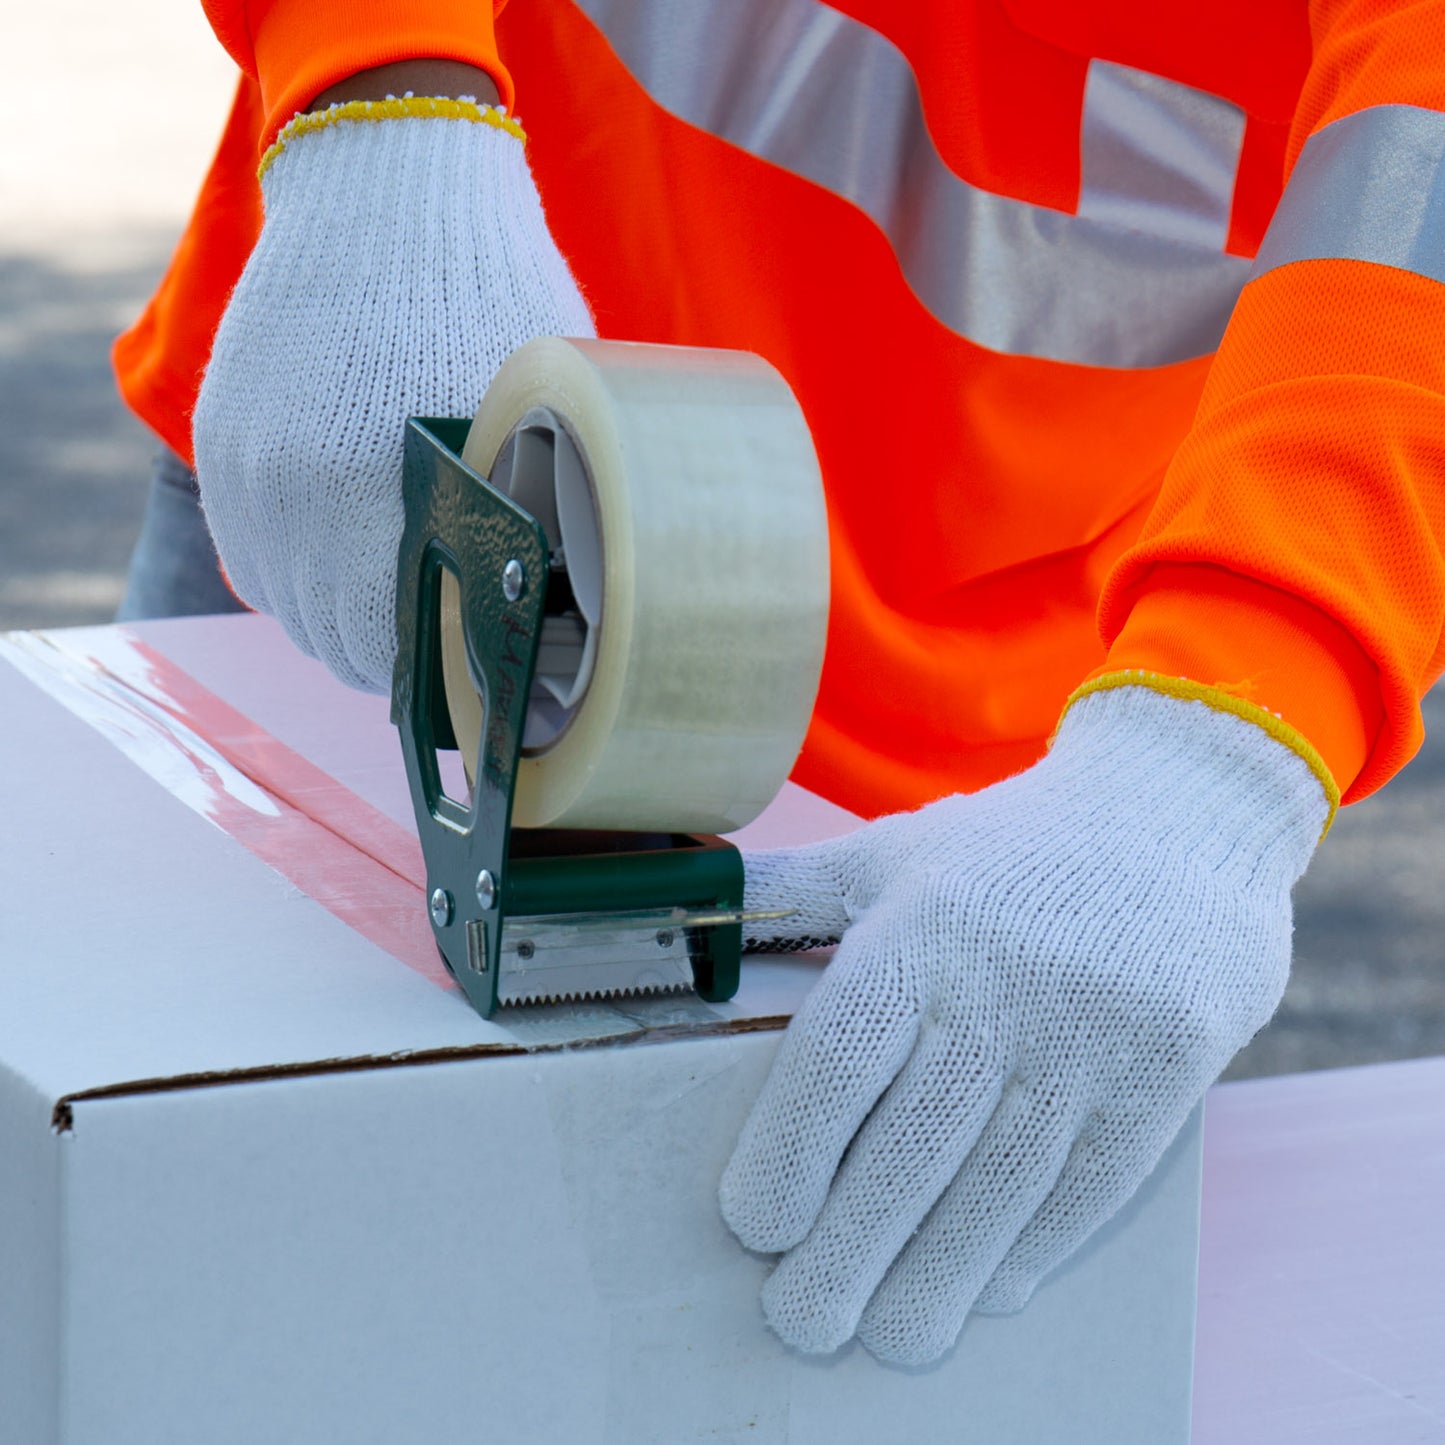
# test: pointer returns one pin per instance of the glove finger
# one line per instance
(808, 881)
(1103, 1172)
(921, 1306)
(901, 1162)
(853, 1034)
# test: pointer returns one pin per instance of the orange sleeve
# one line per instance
(159, 360)
(1295, 553)
(295, 49)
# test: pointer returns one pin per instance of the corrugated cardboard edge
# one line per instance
(62, 1118)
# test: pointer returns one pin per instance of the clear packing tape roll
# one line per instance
(680, 493)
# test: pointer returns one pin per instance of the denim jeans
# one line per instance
(173, 570)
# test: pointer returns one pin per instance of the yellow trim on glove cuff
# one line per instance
(1222, 701)
(392, 108)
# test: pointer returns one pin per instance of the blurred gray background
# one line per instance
(91, 208)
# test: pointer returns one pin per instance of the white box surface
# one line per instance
(261, 1180)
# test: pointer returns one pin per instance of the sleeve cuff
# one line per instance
(1244, 638)
(299, 48)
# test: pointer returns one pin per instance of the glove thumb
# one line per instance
(811, 882)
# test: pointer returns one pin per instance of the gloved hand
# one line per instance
(401, 260)
(1036, 985)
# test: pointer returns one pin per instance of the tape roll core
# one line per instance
(701, 634)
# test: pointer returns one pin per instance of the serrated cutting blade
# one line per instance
(554, 958)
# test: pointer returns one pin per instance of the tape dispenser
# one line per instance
(611, 603)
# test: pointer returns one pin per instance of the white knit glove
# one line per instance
(401, 260)
(1037, 984)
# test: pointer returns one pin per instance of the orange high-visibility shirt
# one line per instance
(1091, 385)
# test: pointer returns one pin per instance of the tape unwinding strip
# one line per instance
(712, 532)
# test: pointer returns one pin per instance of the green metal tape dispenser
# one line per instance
(611, 606)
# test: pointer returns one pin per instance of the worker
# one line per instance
(1119, 331)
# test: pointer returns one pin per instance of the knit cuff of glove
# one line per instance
(1246, 789)
(372, 112)
(1221, 700)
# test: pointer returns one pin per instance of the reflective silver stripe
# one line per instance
(798, 84)
(1368, 187)
(1158, 156)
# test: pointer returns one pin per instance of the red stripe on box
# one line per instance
(362, 866)
(359, 864)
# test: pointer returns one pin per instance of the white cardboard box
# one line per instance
(261, 1181)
